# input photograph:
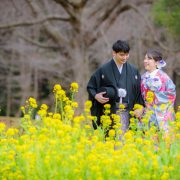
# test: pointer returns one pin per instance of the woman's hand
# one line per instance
(138, 112)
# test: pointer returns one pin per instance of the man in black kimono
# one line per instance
(117, 81)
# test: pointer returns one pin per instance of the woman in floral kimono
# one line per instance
(158, 91)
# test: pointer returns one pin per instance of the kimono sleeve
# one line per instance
(167, 95)
(93, 85)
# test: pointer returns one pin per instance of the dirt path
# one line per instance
(10, 121)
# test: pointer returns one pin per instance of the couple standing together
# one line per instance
(119, 82)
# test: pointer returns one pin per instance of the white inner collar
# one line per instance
(119, 66)
(152, 74)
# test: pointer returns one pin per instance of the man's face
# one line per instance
(121, 57)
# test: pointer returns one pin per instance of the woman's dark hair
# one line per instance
(121, 46)
(153, 54)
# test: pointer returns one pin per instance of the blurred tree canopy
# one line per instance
(167, 14)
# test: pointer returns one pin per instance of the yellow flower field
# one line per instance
(62, 145)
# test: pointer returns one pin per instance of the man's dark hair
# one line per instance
(121, 46)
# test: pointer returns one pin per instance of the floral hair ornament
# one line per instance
(161, 64)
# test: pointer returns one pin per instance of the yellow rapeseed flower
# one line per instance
(150, 94)
(67, 100)
(149, 100)
(171, 168)
(163, 107)
(107, 111)
(150, 97)
(88, 104)
(87, 110)
(112, 132)
(74, 104)
(139, 140)
(137, 106)
(74, 87)
(133, 171)
(118, 143)
(77, 119)
(61, 94)
(128, 135)
(121, 106)
(178, 125)
(91, 117)
(132, 120)
(67, 108)
(116, 117)
(32, 102)
(50, 114)
(23, 109)
(105, 120)
(131, 113)
(44, 107)
(87, 126)
(2, 127)
(107, 106)
(11, 132)
(154, 106)
(57, 87)
(32, 130)
(178, 108)
(119, 132)
(42, 112)
(165, 176)
(82, 118)
(155, 164)
(178, 116)
(56, 116)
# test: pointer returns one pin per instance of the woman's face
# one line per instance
(149, 64)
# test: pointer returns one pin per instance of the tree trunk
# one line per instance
(9, 85)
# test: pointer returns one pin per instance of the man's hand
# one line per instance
(99, 97)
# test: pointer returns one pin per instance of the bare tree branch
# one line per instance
(37, 43)
(67, 7)
(74, 9)
(106, 13)
(120, 9)
(109, 17)
(151, 28)
(126, 7)
(76, 3)
(113, 10)
(14, 5)
(51, 30)
(29, 23)
(33, 7)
